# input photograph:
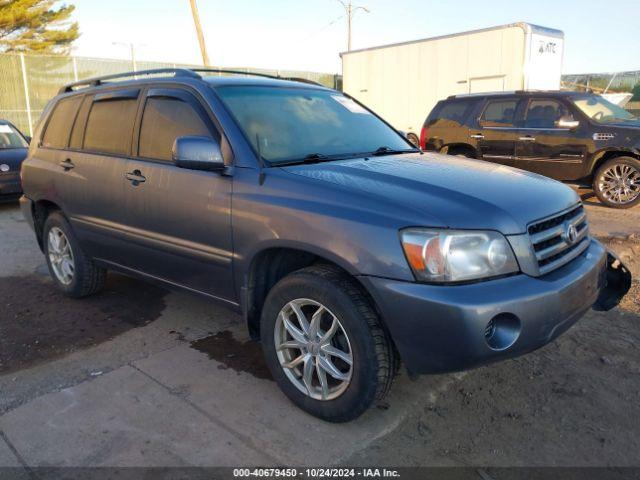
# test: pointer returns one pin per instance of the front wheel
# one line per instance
(617, 182)
(413, 138)
(73, 272)
(324, 344)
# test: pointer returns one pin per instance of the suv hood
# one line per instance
(460, 193)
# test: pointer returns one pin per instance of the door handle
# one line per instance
(67, 164)
(135, 177)
(478, 136)
(528, 138)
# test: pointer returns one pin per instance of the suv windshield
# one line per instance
(287, 125)
(601, 110)
(10, 138)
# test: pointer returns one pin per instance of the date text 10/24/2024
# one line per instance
(316, 472)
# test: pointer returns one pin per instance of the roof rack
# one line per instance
(95, 81)
(255, 74)
(177, 72)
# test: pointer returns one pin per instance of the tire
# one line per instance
(625, 169)
(83, 278)
(374, 361)
(461, 153)
(413, 138)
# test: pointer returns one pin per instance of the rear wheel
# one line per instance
(73, 272)
(325, 345)
(461, 152)
(617, 182)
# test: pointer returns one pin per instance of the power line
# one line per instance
(351, 11)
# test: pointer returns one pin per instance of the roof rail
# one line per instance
(177, 72)
(256, 74)
(95, 81)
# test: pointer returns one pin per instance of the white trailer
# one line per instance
(402, 82)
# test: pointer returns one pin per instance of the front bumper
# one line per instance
(10, 186)
(439, 328)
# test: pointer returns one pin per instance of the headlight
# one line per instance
(457, 255)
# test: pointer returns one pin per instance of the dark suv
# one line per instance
(345, 248)
(569, 136)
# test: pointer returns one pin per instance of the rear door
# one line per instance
(544, 148)
(180, 219)
(95, 167)
(496, 132)
(447, 124)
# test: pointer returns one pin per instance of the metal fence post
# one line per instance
(75, 69)
(26, 93)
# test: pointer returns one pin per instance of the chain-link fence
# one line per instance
(28, 82)
(611, 82)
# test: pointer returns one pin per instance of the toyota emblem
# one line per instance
(571, 234)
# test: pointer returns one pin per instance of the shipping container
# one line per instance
(403, 81)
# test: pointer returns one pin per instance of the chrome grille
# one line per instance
(559, 239)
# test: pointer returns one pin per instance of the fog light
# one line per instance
(502, 331)
(4, 167)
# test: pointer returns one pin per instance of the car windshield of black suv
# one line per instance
(291, 125)
(9, 138)
(602, 111)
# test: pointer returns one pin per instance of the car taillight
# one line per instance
(423, 138)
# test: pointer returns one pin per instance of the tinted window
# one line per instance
(59, 126)
(499, 113)
(109, 126)
(452, 113)
(544, 113)
(287, 124)
(77, 130)
(164, 119)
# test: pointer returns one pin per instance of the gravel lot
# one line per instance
(140, 376)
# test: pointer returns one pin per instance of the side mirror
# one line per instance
(567, 122)
(197, 153)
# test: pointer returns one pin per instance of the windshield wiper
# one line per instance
(384, 150)
(310, 158)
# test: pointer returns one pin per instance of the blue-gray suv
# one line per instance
(346, 249)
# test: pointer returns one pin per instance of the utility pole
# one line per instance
(351, 11)
(132, 50)
(196, 21)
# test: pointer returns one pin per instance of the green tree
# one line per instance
(636, 93)
(35, 26)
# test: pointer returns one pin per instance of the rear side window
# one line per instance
(58, 128)
(499, 113)
(77, 132)
(544, 113)
(451, 114)
(110, 125)
(165, 119)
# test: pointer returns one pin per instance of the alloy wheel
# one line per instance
(620, 184)
(60, 256)
(313, 349)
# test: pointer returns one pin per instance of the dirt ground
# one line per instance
(36, 332)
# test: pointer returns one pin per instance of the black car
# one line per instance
(13, 150)
(569, 136)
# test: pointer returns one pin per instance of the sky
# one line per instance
(309, 34)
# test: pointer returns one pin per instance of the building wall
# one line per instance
(402, 83)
